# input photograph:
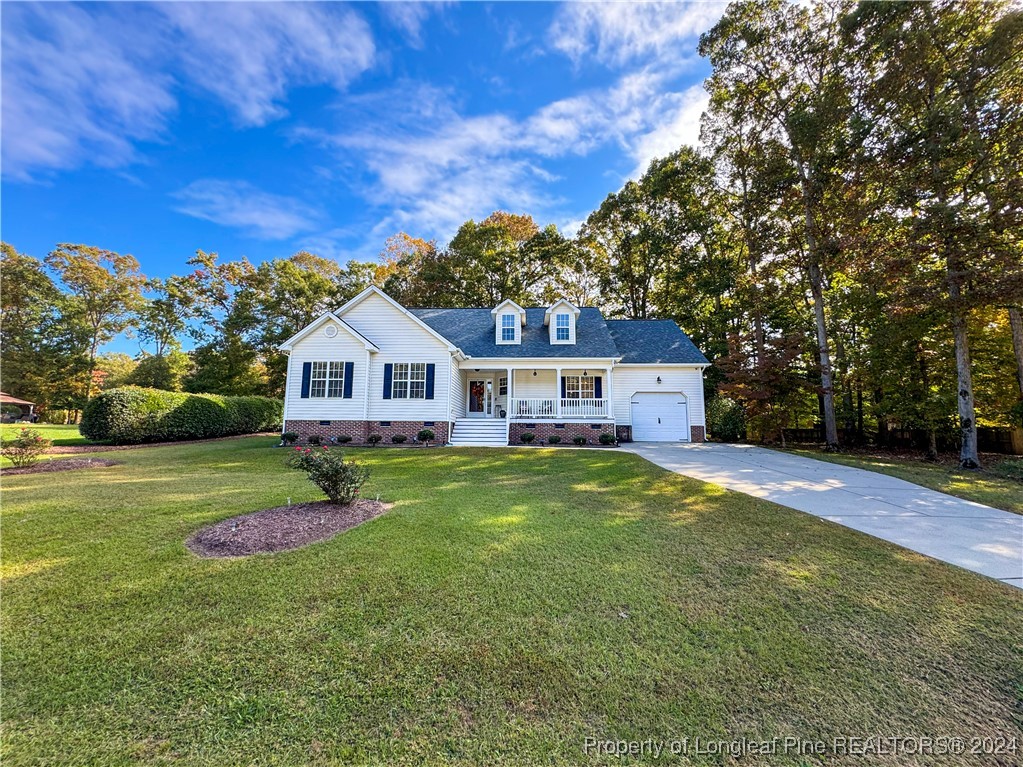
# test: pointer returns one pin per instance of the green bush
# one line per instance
(579, 440)
(397, 439)
(289, 437)
(344, 439)
(25, 449)
(373, 439)
(726, 419)
(313, 439)
(133, 414)
(607, 439)
(553, 439)
(527, 437)
(339, 479)
(426, 435)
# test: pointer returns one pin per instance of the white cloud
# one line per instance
(409, 17)
(680, 124)
(240, 205)
(74, 89)
(617, 34)
(85, 84)
(249, 54)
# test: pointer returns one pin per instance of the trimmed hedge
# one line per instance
(135, 414)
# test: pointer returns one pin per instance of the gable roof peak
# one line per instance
(509, 303)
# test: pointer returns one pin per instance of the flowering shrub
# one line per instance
(25, 449)
(339, 479)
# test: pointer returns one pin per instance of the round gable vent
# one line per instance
(330, 331)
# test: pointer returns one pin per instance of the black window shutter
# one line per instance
(349, 370)
(564, 387)
(430, 369)
(307, 374)
(598, 388)
(388, 372)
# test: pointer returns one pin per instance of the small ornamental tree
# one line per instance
(25, 449)
(340, 480)
(527, 437)
(373, 439)
(426, 435)
(580, 440)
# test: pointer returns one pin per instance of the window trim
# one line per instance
(331, 376)
(578, 381)
(508, 322)
(567, 327)
(502, 386)
(402, 374)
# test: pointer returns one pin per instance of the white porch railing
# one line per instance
(548, 407)
(583, 408)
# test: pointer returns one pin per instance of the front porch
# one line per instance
(538, 393)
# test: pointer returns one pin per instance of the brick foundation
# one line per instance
(697, 434)
(360, 430)
(544, 429)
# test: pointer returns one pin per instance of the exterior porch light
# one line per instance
(658, 379)
(534, 373)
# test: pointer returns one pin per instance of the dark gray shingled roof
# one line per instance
(636, 341)
(654, 341)
(472, 331)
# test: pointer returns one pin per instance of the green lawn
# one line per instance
(512, 603)
(998, 484)
(59, 433)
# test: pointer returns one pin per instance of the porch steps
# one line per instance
(479, 432)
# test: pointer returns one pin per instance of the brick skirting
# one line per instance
(360, 430)
(624, 433)
(697, 434)
(570, 429)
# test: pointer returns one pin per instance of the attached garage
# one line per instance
(660, 417)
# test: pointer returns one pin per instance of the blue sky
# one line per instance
(262, 129)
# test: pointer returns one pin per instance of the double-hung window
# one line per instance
(408, 380)
(561, 327)
(579, 387)
(502, 386)
(327, 379)
(508, 327)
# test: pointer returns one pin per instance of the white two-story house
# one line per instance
(486, 376)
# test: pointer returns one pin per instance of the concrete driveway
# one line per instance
(977, 537)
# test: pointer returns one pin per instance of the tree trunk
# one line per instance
(827, 384)
(1016, 323)
(968, 458)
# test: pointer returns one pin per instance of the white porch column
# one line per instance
(557, 392)
(609, 408)
(508, 394)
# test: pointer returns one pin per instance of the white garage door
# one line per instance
(660, 417)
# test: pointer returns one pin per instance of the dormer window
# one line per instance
(508, 323)
(508, 318)
(561, 318)
(562, 328)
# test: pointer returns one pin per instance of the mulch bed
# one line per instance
(70, 449)
(281, 528)
(63, 464)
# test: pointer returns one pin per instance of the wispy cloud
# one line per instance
(84, 84)
(409, 17)
(618, 34)
(240, 205)
(73, 88)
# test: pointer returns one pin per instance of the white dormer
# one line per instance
(509, 319)
(560, 318)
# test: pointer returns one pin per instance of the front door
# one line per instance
(481, 398)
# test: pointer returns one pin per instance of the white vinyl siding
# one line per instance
(401, 340)
(316, 347)
(630, 379)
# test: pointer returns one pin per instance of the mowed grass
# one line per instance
(511, 604)
(60, 434)
(999, 483)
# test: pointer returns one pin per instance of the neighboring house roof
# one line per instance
(472, 331)
(7, 399)
(654, 342)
